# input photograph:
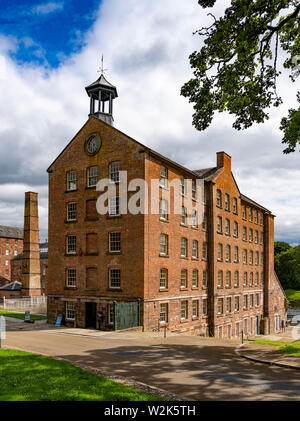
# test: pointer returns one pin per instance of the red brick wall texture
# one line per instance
(139, 259)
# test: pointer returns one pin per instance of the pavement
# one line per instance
(195, 368)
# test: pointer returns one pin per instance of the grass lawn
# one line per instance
(292, 348)
(31, 377)
(21, 316)
(293, 295)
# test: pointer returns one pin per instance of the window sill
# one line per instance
(163, 255)
(163, 289)
(66, 221)
(114, 252)
(71, 254)
(204, 286)
(195, 228)
(195, 318)
(195, 288)
(220, 232)
(163, 220)
(164, 187)
(196, 258)
(184, 321)
(183, 288)
(183, 225)
(113, 216)
(184, 257)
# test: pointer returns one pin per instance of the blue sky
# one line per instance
(47, 32)
(51, 50)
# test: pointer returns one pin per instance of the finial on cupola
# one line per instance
(102, 93)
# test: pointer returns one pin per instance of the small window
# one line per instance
(219, 225)
(183, 186)
(163, 177)
(227, 202)
(228, 279)
(163, 312)
(183, 278)
(245, 303)
(204, 251)
(228, 305)
(71, 277)
(257, 300)
(111, 313)
(163, 278)
(256, 237)
(114, 172)
(194, 190)
(70, 310)
(220, 252)
(236, 254)
(234, 206)
(184, 310)
(256, 279)
(92, 176)
(250, 279)
(71, 211)
(114, 278)
(235, 230)
(255, 216)
(195, 280)
(220, 306)
(219, 198)
(16, 242)
(195, 249)
(183, 251)
(244, 212)
(236, 279)
(245, 279)
(71, 244)
(183, 215)
(204, 306)
(245, 257)
(114, 206)
(163, 244)
(114, 242)
(195, 219)
(205, 279)
(6, 262)
(7, 252)
(228, 253)
(250, 214)
(250, 257)
(195, 308)
(204, 222)
(256, 258)
(244, 233)
(164, 209)
(71, 180)
(250, 235)
(227, 227)
(220, 279)
(237, 303)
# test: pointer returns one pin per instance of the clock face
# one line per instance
(93, 144)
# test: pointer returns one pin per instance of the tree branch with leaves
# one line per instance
(236, 68)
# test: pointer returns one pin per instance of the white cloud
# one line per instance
(46, 8)
(146, 47)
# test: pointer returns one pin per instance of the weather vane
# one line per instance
(102, 70)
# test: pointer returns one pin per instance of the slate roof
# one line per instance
(12, 286)
(101, 82)
(11, 232)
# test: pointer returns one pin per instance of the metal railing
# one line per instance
(33, 304)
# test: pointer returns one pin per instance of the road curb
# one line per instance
(257, 360)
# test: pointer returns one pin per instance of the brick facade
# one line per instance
(11, 244)
(79, 275)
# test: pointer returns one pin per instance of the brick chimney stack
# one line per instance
(223, 160)
(31, 277)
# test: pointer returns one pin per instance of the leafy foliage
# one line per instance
(236, 68)
(287, 267)
(280, 246)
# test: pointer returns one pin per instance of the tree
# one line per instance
(280, 246)
(287, 267)
(236, 68)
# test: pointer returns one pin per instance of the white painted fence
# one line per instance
(33, 304)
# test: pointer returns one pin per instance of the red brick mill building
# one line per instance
(213, 277)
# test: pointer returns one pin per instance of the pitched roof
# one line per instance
(251, 202)
(12, 286)
(209, 174)
(11, 232)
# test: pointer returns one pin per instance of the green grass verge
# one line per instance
(21, 316)
(293, 294)
(31, 377)
(292, 348)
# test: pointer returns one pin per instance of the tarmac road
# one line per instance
(193, 367)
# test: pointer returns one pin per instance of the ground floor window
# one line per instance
(163, 312)
(70, 310)
(184, 310)
(195, 309)
(204, 306)
(237, 330)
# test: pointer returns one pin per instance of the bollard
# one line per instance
(165, 331)
(158, 329)
(242, 332)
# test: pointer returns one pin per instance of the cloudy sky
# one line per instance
(50, 51)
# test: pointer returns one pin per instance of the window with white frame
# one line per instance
(183, 215)
(236, 254)
(244, 257)
(228, 305)
(220, 252)
(92, 175)
(251, 303)
(219, 224)
(262, 278)
(205, 279)
(262, 258)
(228, 253)
(114, 206)
(71, 244)
(220, 279)
(6, 262)
(114, 171)
(245, 279)
(184, 310)
(235, 229)
(70, 310)
(7, 252)
(256, 258)
(7, 242)
(16, 242)
(227, 201)
(114, 278)
(114, 242)
(251, 279)
(261, 238)
(244, 212)
(183, 186)
(183, 278)
(204, 250)
(255, 216)
(183, 248)
(261, 219)
(257, 300)
(194, 249)
(245, 302)
(244, 233)
(195, 278)
(71, 277)
(220, 305)
(194, 218)
(219, 198)
(236, 303)
(204, 306)
(71, 211)
(195, 308)
(227, 227)
(163, 209)
(250, 257)
(250, 213)
(194, 190)
(163, 284)
(163, 177)
(256, 237)
(250, 235)
(110, 313)
(163, 312)
(234, 206)
(236, 279)
(163, 244)
(16, 252)
(256, 278)
(204, 222)
(71, 180)
(228, 279)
